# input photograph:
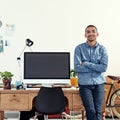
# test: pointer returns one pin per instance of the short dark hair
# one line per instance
(90, 26)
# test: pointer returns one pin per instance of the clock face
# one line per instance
(0, 23)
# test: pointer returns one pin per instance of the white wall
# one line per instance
(58, 25)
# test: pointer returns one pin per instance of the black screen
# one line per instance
(46, 65)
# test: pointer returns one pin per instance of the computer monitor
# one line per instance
(47, 67)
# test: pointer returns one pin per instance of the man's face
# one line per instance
(91, 34)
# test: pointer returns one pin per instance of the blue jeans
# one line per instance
(92, 97)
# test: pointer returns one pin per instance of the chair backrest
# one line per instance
(50, 100)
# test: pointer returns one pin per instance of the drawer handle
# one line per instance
(14, 95)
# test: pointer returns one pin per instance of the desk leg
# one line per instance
(1, 115)
(83, 114)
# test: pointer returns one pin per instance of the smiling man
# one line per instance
(91, 61)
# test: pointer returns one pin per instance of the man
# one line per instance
(91, 61)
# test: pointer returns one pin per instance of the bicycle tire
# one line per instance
(115, 101)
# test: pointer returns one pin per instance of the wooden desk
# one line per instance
(21, 100)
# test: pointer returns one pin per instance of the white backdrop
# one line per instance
(58, 25)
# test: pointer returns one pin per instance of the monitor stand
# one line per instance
(33, 85)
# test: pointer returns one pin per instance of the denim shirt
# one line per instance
(96, 62)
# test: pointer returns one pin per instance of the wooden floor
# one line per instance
(14, 115)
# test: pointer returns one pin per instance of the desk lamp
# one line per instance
(29, 43)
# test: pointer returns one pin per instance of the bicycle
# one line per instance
(113, 99)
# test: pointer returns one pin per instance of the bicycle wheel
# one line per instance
(115, 102)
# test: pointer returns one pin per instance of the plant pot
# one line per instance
(6, 84)
(74, 82)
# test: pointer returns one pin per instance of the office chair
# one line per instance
(50, 101)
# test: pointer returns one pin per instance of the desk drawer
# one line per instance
(77, 102)
(14, 101)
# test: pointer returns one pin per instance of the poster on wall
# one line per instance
(9, 29)
(1, 46)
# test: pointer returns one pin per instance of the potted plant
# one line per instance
(73, 78)
(73, 73)
(6, 77)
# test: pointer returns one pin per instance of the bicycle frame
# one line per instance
(109, 94)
